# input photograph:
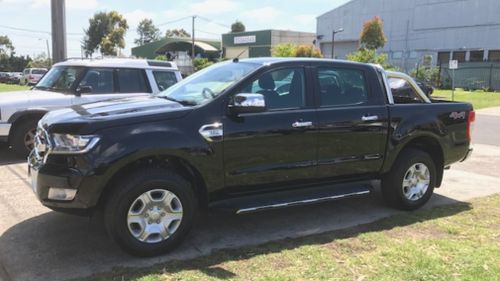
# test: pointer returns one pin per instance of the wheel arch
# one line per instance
(21, 116)
(176, 163)
(431, 146)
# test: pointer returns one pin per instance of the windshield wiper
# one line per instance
(183, 102)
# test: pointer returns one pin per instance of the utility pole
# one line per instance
(58, 12)
(192, 40)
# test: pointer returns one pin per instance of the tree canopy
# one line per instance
(372, 36)
(178, 33)
(147, 32)
(106, 33)
(5, 45)
(237, 26)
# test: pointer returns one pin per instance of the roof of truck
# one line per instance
(119, 62)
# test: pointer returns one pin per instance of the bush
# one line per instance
(370, 56)
(200, 63)
(428, 74)
(293, 50)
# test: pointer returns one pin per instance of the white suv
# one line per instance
(31, 76)
(75, 82)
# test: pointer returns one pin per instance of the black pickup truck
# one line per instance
(246, 136)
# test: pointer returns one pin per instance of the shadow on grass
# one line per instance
(59, 247)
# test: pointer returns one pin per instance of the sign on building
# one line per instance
(453, 64)
(245, 39)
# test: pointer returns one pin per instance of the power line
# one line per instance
(212, 21)
(174, 21)
(36, 31)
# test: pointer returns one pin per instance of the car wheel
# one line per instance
(410, 183)
(23, 138)
(150, 212)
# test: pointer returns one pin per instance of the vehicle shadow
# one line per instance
(55, 246)
(7, 156)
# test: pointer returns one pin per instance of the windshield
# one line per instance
(207, 84)
(60, 78)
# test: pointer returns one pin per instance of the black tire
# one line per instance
(124, 195)
(392, 183)
(19, 135)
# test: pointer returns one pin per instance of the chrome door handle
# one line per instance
(369, 118)
(302, 124)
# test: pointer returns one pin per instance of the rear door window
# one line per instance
(100, 80)
(341, 86)
(164, 79)
(132, 81)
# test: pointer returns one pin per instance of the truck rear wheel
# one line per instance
(23, 137)
(150, 212)
(410, 183)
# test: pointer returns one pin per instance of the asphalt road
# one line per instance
(38, 244)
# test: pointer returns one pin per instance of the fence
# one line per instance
(472, 76)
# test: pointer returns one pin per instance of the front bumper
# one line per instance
(45, 176)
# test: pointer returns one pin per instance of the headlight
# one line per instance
(73, 144)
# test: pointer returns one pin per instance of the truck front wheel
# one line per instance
(150, 212)
(410, 183)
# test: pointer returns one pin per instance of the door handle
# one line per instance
(302, 124)
(369, 118)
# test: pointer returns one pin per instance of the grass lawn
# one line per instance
(11, 87)
(453, 242)
(478, 99)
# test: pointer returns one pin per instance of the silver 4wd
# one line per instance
(76, 82)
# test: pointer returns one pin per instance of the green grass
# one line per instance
(11, 87)
(453, 242)
(478, 99)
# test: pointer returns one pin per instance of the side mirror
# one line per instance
(247, 103)
(83, 90)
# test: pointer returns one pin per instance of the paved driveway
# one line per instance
(38, 244)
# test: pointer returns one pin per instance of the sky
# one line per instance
(27, 22)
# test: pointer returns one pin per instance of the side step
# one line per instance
(283, 199)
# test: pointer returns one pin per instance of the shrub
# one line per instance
(293, 50)
(200, 63)
(370, 56)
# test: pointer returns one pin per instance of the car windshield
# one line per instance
(207, 84)
(39, 71)
(60, 78)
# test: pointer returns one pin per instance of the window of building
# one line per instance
(397, 55)
(476, 56)
(494, 55)
(443, 57)
(341, 86)
(459, 56)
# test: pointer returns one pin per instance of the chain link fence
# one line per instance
(472, 76)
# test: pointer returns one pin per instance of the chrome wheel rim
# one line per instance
(416, 181)
(29, 139)
(154, 216)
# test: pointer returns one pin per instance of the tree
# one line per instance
(370, 56)
(237, 26)
(40, 61)
(177, 33)
(293, 50)
(105, 33)
(5, 45)
(372, 36)
(147, 32)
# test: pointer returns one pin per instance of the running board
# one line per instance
(284, 199)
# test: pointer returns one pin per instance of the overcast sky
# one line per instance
(270, 14)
